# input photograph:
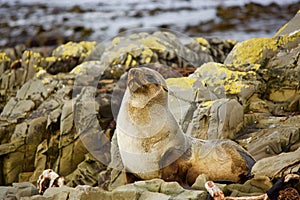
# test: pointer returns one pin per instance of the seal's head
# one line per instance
(145, 85)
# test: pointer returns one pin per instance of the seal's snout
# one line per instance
(135, 79)
(141, 80)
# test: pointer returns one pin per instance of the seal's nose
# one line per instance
(135, 79)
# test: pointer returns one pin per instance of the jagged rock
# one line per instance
(16, 109)
(86, 172)
(144, 48)
(200, 182)
(48, 123)
(4, 62)
(224, 81)
(210, 50)
(201, 115)
(276, 166)
(272, 136)
(18, 191)
(168, 189)
(291, 27)
(219, 119)
(87, 125)
(65, 57)
(31, 133)
(13, 79)
(58, 193)
(273, 141)
(255, 186)
(96, 53)
(277, 60)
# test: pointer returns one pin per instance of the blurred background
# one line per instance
(43, 23)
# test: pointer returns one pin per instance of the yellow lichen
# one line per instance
(89, 46)
(202, 41)
(288, 38)
(233, 42)
(70, 49)
(147, 60)
(152, 42)
(128, 60)
(50, 59)
(183, 82)
(4, 57)
(207, 103)
(216, 74)
(281, 29)
(251, 51)
(115, 41)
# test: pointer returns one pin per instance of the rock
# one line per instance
(86, 172)
(25, 189)
(65, 57)
(215, 120)
(181, 96)
(210, 50)
(90, 193)
(224, 81)
(291, 27)
(153, 185)
(87, 126)
(18, 191)
(152, 195)
(15, 109)
(59, 193)
(194, 108)
(255, 186)
(126, 192)
(283, 163)
(271, 135)
(192, 194)
(200, 182)
(13, 79)
(272, 56)
(40, 161)
(143, 48)
(202, 47)
(31, 134)
(96, 53)
(6, 190)
(258, 105)
(273, 141)
(4, 62)
(73, 49)
(257, 50)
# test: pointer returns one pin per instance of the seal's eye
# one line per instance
(150, 78)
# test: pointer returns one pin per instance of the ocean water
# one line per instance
(108, 18)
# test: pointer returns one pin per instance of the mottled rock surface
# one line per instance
(56, 110)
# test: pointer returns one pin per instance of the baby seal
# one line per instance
(152, 145)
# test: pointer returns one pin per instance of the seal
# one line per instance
(152, 145)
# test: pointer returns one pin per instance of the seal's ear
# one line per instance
(165, 88)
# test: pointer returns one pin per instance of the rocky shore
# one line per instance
(37, 23)
(59, 104)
